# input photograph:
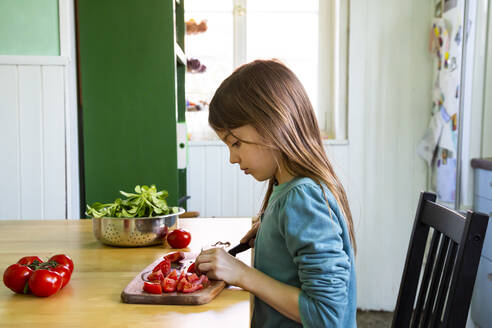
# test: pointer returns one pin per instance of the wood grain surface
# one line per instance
(93, 296)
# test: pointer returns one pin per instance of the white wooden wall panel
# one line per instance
(338, 157)
(220, 189)
(31, 142)
(195, 179)
(389, 105)
(229, 186)
(54, 164)
(39, 172)
(213, 181)
(9, 144)
(32, 109)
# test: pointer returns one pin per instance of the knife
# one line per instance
(239, 248)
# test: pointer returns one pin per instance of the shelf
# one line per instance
(180, 55)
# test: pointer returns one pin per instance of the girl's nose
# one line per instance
(233, 159)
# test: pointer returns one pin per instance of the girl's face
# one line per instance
(254, 159)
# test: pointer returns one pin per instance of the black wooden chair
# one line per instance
(446, 280)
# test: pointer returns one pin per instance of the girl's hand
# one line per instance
(220, 265)
(250, 236)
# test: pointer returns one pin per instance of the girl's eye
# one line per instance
(236, 144)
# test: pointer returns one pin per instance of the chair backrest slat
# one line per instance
(467, 261)
(444, 286)
(444, 220)
(424, 284)
(445, 290)
(413, 264)
(436, 278)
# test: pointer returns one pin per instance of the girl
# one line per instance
(304, 271)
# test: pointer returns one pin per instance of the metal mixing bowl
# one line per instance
(134, 232)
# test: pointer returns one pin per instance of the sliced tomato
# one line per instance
(169, 285)
(175, 256)
(193, 277)
(152, 287)
(156, 276)
(173, 275)
(186, 284)
(164, 266)
(191, 268)
(190, 288)
(181, 283)
(203, 280)
(182, 275)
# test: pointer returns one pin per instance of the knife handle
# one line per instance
(239, 248)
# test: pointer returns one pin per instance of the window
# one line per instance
(309, 36)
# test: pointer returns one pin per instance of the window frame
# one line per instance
(333, 69)
(333, 16)
(333, 77)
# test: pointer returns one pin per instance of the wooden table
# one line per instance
(92, 298)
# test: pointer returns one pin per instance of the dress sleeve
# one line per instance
(314, 240)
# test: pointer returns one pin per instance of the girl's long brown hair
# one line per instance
(268, 96)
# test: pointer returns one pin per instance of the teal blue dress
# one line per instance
(300, 244)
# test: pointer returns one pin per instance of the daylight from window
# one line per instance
(283, 29)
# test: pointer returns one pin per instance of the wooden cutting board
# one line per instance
(133, 293)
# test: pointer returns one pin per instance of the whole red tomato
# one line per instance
(28, 260)
(64, 273)
(45, 282)
(179, 238)
(16, 277)
(63, 260)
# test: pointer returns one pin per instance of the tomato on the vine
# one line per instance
(16, 277)
(45, 282)
(28, 260)
(64, 260)
(64, 273)
(179, 238)
(41, 278)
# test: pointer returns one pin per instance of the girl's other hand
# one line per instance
(250, 236)
(220, 265)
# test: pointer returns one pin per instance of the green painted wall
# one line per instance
(29, 27)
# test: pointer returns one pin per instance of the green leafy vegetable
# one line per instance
(145, 202)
